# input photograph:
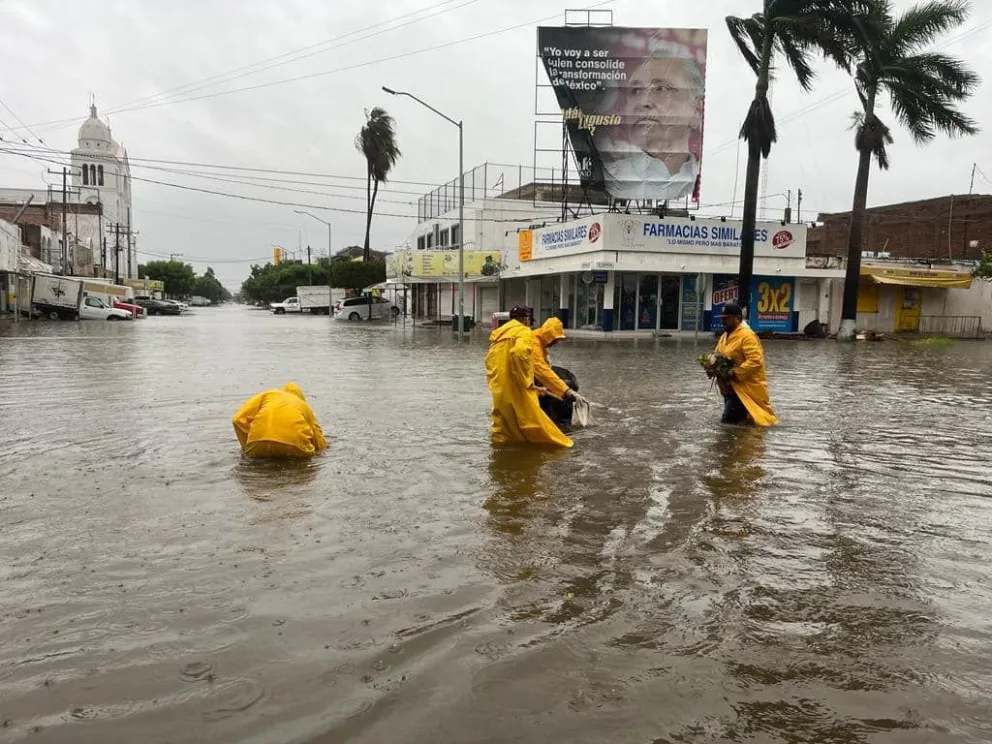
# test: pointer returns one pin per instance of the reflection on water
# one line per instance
(667, 580)
(266, 479)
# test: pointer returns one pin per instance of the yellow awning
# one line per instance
(918, 277)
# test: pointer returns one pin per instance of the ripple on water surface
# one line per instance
(667, 580)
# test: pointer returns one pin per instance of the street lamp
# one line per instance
(330, 304)
(313, 216)
(461, 203)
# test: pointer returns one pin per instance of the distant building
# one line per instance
(945, 229)
(101, 174)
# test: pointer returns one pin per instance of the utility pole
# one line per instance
(971, 188)
(65, 227)
(129, 251)
(309, 267)
(788, 206)
(799, 206)
(117, 253)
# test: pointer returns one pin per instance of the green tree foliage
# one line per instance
(924, 88)
(209, 286)
(179, 277)
(794, 31)
(984, 270)
(272, 283)
(357, 275)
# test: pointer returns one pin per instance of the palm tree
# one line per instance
(924, 88)
(797, 30)
(377, 142)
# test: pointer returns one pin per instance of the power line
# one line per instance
(30, 131)
(280, 60)
(360, 65)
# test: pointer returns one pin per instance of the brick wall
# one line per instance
(914, 230)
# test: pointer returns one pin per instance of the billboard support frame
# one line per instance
(574, 17)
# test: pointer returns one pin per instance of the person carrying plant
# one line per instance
(745, 390)
(516, 413)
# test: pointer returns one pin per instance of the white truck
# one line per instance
(317, 299)
(66, 298)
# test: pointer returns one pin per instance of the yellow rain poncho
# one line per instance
(279, 423)
(749, 380)
(517, 416)
(543, 337)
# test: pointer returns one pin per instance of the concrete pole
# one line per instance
(461, 231)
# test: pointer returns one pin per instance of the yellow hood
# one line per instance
(508, 332)
(293, 388)
(551, 331)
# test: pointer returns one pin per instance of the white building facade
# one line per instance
(101, 173)
(643, 274)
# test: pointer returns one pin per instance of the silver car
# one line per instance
(364, 308)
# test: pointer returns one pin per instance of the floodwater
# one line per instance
(668, 580)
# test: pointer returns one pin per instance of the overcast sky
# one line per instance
(127, 53)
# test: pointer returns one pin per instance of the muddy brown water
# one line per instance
(668, 580)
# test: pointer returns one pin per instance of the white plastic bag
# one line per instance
(581, 412)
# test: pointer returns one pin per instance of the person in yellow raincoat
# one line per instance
(543, 339)
(279, 423)
(745, 395)
(516, 413)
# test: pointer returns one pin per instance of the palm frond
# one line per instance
(921, 24)
(796, 52)
(742, 31)
(377, 142)
(871, 134)
(759, 125)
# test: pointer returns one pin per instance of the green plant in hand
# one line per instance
(717, 365)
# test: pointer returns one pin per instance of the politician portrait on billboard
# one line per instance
(632, 100)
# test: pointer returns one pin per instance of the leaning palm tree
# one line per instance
(924, 88)
(377, 142)
(797, 30)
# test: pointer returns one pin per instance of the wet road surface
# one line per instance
(668, 580)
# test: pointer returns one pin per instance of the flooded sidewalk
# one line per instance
(667, 580)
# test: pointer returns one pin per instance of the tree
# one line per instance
(179, 277)
(377, 142)
(984, 268)
(357, 275)
(274, 283)
(796, 30)
(924, 88)
(209, 286)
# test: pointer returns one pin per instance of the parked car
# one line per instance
(157, 307)
(289, 305)
(136, 310)
(364, 307)
(183, 307)
(93, 308)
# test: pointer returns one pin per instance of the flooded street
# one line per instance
(668, 580)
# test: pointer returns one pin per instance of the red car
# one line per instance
(136, 310)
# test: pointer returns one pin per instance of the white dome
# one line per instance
(94, 130)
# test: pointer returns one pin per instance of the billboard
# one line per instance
(441, 264)
(772, 302)
(632, 100)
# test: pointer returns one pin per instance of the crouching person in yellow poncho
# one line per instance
(279, 423)
(745, 395)
(517, 415)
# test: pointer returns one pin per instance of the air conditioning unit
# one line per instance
(884, 254)
(867, 254)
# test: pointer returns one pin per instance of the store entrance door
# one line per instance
(671, 296)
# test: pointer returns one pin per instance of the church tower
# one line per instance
(101, 173)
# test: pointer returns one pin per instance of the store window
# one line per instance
(626, 302)
(671, 295)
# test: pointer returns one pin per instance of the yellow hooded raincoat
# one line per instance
(543, 337)
(517, 416)
(749, 381)
(279, 423)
